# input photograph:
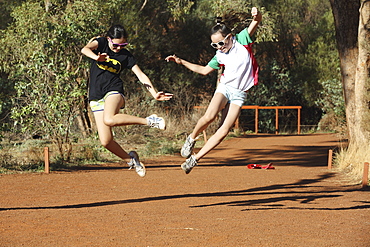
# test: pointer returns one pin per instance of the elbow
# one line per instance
(205, 72)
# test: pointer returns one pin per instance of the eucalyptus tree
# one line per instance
(351, 21)
(352, 18)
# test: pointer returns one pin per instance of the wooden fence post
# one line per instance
(330, 158)
(276, 121)
(365, 178)
(47, 163)
(256, 121)
(299, 121)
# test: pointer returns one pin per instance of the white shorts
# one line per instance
(98, 105)
(233, 95)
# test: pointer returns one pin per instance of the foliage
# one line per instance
(7, 89)
(45, 67)
(179, 9)
(6, 7)
(46, 77)
(277, 88)
(305, 48)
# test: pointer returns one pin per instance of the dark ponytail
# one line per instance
(117, 32)
(220, 27)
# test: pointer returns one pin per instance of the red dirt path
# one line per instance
(220, 203)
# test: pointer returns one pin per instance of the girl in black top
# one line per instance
(106, 94)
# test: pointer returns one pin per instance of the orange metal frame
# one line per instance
(256, 108)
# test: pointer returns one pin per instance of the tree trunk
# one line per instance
(83, 117)
(352, 23)
(346, 16)
(82, 125)
(362, 86)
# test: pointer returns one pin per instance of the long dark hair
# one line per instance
(117, 32)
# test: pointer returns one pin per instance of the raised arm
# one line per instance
(143, 78)
(257, 18)
(203, 70)
(87, 50)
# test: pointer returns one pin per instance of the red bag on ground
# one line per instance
(256, 166)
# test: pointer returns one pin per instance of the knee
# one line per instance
(105, 142)
(208, 118)
(109, 122)
(222, 132)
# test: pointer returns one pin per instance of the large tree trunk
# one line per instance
(362, 86)
(346, 16)
(352, 23)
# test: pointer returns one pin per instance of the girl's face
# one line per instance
(117, 44)
(221, 43)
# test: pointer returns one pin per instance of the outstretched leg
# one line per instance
(104, 122)
(217, 103)
(232, 113)
(106, 137)
(112, 118)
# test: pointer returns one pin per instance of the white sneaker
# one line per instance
(156, 122)
(135, 162)
(189, 164)
(187, 148)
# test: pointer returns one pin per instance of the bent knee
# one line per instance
(105, 142)
(209, 118)
(109, 122)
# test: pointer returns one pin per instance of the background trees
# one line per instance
(44, 76)
(40, 54)
(294, 49)
(300, 66)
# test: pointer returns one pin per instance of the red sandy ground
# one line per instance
(220, 203)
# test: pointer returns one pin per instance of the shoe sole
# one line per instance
(144, 169)
(142, 165)
(187, 171)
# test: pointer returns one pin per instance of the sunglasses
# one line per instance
(220, 43)
(115, 45)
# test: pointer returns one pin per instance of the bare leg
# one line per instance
(106, 137)
(224, 114)
(232, 114)
(112, 118)
(218, 102)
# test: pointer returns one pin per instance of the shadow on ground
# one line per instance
(287, 154)
(277, 196)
